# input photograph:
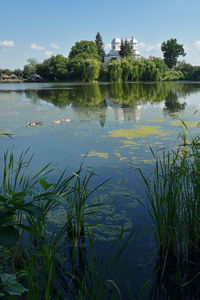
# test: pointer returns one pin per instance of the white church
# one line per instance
(115, 48)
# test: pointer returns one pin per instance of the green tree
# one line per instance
(125, 49)
(76, 66)
(103, 74)
(185, 68)
(30, 68)
(150, 71)
(54, 68)
(115, 71)
(171, 51)
(160, 65)
(32, 61)
(121, 52)
(100, 47)
(6, 71)
(88, 48)
(18, 73)
(91, 70)
(127, 68)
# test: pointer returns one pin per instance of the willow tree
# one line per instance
(91, 70)
(115, 71)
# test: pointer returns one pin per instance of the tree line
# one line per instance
(85, 62)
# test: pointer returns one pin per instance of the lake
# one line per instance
(112, 129)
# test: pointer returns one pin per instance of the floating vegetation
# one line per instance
(118, 155)
(97, 154)
(130, 143)
(160, 120)
(189, 124)
(134, 157)
(137, 131)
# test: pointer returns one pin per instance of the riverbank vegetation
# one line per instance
(173, 206)
(85, 62)
(41, 259)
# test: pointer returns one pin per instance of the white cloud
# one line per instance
(153, 47)
(54, 46)
(186, 48)
(197, 44)
(7, 43)
(108, 46)
(48, 53)
(36, 47)
(142, 45)
(149, 47)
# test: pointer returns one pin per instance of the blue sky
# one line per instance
(41, 28)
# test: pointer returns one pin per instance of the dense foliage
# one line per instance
(54, 68)
(125, 49)
(99, 44)
(85, 63)
(88, 48)
(171, 51)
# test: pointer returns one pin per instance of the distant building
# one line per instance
(4, 77)
(115, 48)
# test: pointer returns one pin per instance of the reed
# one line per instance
(173, 205)
(28, 246)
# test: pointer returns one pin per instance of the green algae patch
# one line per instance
(137, 131)
(130, 143)
(158, 121)
(133, 157)
(118, 155)
(189, 124)
(97, 154)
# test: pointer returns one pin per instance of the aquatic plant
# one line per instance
(173, 205)
(31, 256)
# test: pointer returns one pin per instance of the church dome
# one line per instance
(116, 40)
(133, 41)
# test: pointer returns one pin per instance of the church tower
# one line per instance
(134, 48)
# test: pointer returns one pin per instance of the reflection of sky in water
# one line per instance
(90, 130)
(90, 126)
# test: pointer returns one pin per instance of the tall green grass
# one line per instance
(173, 204)
(32, 252)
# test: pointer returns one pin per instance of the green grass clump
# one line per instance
(41, 260)
(173, 193)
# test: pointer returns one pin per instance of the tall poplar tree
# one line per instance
(121, 52)
(100, 46)
(125, 49)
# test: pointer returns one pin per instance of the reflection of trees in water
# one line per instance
(91, 113)
(124, 112)
(33, 95)
(172, 104)
(88, 100)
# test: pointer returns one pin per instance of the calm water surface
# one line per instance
(113, 125)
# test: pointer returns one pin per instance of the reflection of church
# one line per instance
(115, 48)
